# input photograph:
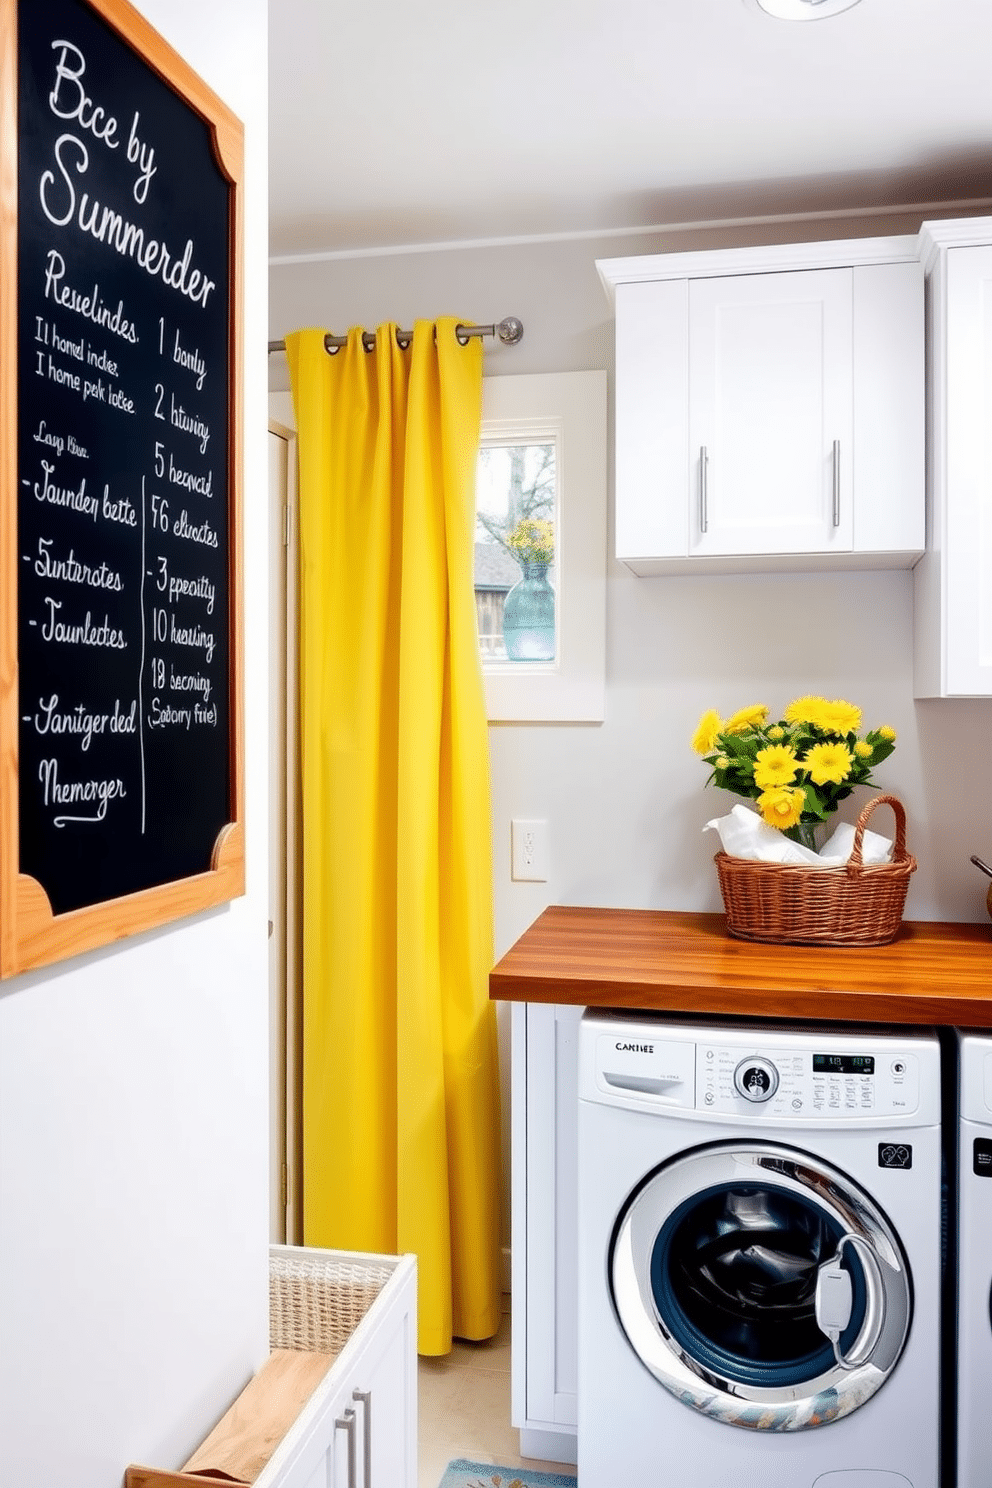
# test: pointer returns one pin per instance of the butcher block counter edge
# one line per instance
(672, 961)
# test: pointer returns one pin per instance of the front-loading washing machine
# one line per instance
(759, 1229)
(974, 1260)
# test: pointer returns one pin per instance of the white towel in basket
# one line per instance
(743, 834)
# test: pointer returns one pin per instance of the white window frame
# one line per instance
(568, 409)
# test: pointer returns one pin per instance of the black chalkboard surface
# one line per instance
(126, 574)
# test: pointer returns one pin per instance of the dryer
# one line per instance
(974, 1260)
(759, 1255)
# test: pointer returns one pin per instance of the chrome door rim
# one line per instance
(832, 1394)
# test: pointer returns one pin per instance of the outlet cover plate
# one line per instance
(528, 851)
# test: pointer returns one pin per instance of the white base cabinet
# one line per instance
(544, 1094)
(309, 1422)
(770, 408)
(359, 1428)
(953, 582)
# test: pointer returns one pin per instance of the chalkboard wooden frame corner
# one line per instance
(35, 937)
(31, 934)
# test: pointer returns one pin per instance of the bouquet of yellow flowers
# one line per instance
(532, 540)
(797, 769)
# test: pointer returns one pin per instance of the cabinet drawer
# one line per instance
(336, 1405)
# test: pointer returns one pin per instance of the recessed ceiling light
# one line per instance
(801, 10)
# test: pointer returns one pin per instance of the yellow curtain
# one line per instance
(400, 1083)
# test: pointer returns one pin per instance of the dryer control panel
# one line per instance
(799, 1083)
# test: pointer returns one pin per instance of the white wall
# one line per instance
(624, 800)
(133, 1081)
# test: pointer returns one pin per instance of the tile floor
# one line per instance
(464, 1409)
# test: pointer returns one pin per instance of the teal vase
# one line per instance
(529, 616)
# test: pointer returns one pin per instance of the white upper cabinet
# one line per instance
(770, 413)
(770, 408)
(953, 583)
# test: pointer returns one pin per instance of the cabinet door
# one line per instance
(652, 411)
(385, 1403)
(771, 413)
(551, 1198)
(889, 412)
(967, 513)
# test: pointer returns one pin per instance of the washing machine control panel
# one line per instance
(756, 1078)
(799, 1084)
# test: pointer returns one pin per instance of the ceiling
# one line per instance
(407, 122)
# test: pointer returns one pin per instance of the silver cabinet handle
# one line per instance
(364, 1398)
(346, 1422)
(704, 462)
(836, 482)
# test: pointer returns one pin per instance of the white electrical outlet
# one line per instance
(529, 851)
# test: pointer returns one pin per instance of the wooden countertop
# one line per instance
(932, 973)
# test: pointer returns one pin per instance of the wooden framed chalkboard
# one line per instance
(121, 717)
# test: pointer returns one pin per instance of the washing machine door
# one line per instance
(760, 1285)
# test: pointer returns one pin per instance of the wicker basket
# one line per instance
(318, 1298)
(857, 904)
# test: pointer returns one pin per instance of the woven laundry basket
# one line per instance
(317, 1299)
(857, 904)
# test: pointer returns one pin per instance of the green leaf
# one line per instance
(734, 744)
(815, 803)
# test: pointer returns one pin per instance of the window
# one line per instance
(540, 546)
(516, 516)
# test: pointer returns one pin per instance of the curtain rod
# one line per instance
(509, 332)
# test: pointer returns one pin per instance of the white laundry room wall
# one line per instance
(624, 799)
(134, 1080)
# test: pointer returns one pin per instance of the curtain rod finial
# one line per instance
(510, 330)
